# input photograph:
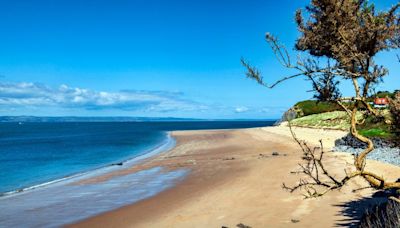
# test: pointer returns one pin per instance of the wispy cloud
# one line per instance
(39, 95)
(241, 109)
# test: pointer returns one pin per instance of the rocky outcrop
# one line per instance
(385, 150)
(350, 141)
(290, 114)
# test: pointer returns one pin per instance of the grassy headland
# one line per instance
(327, 115)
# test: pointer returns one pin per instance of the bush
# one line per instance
(310, 107)
(377, 126)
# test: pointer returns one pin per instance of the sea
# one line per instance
(40, 160)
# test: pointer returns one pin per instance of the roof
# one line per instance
(381, 101)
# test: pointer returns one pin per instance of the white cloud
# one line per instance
(241, 109)
(39, 95)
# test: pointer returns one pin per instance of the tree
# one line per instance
(326, 88)
(348, 33)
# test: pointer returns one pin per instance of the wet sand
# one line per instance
(235, 178)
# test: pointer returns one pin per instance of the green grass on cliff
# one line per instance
(339, 120)
(331, 120)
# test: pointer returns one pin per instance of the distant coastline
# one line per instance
(23, 119)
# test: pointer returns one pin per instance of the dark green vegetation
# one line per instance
(310, 107)
(378, 127)
(375, 132)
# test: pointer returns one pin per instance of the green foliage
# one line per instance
(310, 107)
(339, 120)
(383, 94)
(375, 133)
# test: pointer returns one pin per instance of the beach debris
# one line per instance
(119, 163)
(228, 159)
(275, 153)
(262, 156)
(295, 220)
(241, 225)
(224, 227)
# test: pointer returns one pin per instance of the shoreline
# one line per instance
(66, 201)
(227, 183)
(165, 145)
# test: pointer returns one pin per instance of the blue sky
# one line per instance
(149, 58)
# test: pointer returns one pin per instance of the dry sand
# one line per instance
(235, 179)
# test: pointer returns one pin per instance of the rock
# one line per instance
(295, 220)
(275, 153)
(290, 114)
(350, 141)
(241, 225)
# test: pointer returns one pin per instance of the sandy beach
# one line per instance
(235, 178)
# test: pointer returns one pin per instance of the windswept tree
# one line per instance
(326, 88)
(349, 34)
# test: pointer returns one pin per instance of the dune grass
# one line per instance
(330, 120)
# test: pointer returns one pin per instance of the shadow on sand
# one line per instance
(354, 210)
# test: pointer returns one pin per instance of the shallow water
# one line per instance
(64, 203)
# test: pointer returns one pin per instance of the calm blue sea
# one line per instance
(36, 153)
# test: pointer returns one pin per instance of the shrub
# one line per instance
(310, 107)
(395, 111)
